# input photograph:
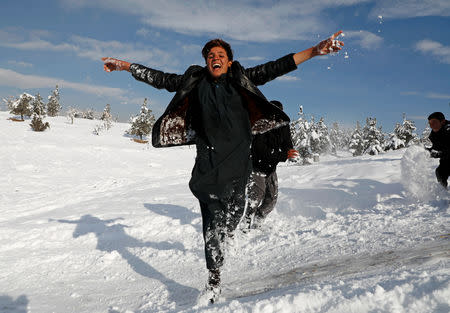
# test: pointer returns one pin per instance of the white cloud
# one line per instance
(14, 79)
(410, 8)
(435, 49)
(20, 63)
(249, 20)
(147, 33)
(365, 39)
(430, 95)
(253, 58)
(288, 78)
(434, 95)
(84, 47)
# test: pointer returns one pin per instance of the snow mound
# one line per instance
(418, 174)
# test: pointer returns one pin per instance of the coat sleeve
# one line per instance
(170, 82)
(446, 142)
(286, 141)
(261, 74)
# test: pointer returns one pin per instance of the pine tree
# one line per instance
(373, 137)
(89, 114)
(394, 142)
(23, 105)
(38, 108)
(334, 138)
(339, 139)
(9, 102)
(300, 133)
(71, 114)
(106, 117)
(405, 132)
(425, 134)
(53, 105)
(141, 124)
(324, 137)
(357, 143)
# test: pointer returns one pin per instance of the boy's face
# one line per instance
(436, 124)
(217, 62)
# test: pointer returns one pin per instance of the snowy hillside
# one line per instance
(103, 224)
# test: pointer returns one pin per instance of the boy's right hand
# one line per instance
(111, 64)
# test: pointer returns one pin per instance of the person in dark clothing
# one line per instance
(440, 138)
(218, 107)
(268, 149)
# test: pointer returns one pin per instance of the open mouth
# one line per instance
(216, 65)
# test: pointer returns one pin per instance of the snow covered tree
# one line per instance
(38, 108)
(300, 133)
(339, 138)
(320, 140)
(53, 105)
(141, 124)
(405, 132)
(403, 135)
(71, 113)
(89, 114)
(425, 134)
(373, 137)
(106, 117)
(394, 143)
(334, 138)
(23, 105)
(356, 145)
(9, 102)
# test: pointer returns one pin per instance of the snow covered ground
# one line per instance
(104, 224)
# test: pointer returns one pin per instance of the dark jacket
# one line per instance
(441, 142)
(270, 148)
(174, 127)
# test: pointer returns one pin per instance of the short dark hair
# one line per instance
(217, 43)
(437, 115)
(277, 103)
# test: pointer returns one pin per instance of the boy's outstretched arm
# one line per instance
(324, 47)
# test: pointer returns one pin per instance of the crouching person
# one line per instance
(268, 149)
(440, 138)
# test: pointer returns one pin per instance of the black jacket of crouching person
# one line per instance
(441, 143)
(270, 148)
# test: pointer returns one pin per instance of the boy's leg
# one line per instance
(255, 193)
(235, 207)
(214, 231)
(214, 222)
(270, 197)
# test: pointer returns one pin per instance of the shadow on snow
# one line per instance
(9, 305)
(114, 238)
(176, 212)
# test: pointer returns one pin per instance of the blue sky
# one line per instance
(396, 57)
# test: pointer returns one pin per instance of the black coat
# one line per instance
(270, 148)
(441, 142)
(174, 127)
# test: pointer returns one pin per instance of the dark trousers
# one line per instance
(220, 219)
(262, 194)
(443, 172)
